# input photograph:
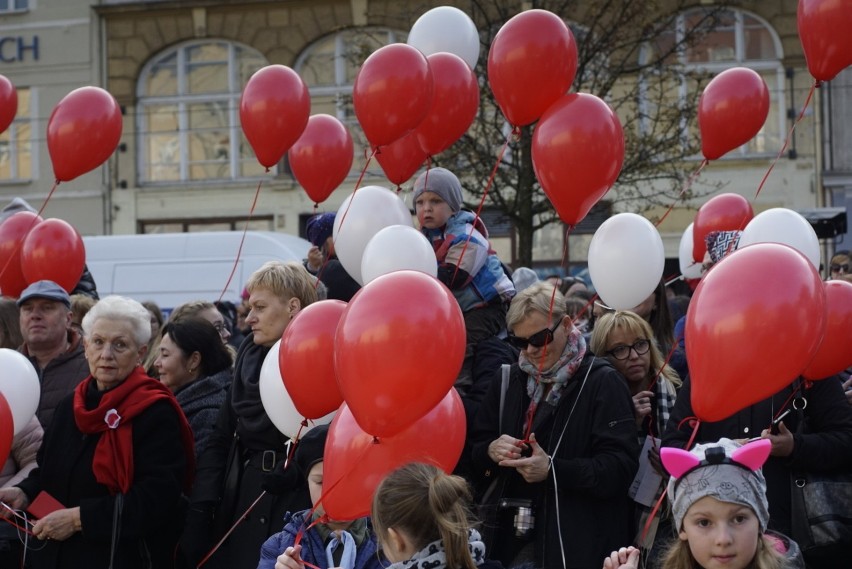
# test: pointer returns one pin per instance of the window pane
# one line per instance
(4, 4)
(162, 228)
(161, 118)
(318, 67)
(247, 64)
(162, 78)
(209, 114)
(208, 52)
(21, 4)
(164, 157)
(252, 168)
(719, 43)
(207, 78)
(324, 104)
(209, 145)
(758, 41)
(24, 146)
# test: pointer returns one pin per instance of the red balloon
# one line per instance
(306, 359)
(731, 111)
(725, 212)
(392, 92)
(8, 103)
(834, 353)
(531, 63)
(50, 240)
(824, 32)
(355, 462)
(274, 110)
(401, 158)
(322, 157)
(753, 325)
(577, 153)
(7, 430)
(454, 103)
(398, 350)
(12, 233)
(83, 130)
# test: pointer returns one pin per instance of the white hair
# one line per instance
(120, 308)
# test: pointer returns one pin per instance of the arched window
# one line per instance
(188, 114)
(329, 66)
(732, 38)
(17, 154)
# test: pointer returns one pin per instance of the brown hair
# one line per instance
(678, 556)
(191, 309)
(426, 504)
(10, 324)
(81, 304)
(631, 322)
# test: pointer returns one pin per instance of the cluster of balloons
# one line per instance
(359, 366)
(29, 249)
(415, 100)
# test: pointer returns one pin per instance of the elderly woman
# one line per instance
(558, 440)
(627, 340)
(115, 457)
(196, 367)
(245, 447)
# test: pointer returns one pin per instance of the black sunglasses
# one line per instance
(837, 268)
(622, 352)
(538, 340)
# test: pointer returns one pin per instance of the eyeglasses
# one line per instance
(837, 268)
(622, 352)
(537, 340)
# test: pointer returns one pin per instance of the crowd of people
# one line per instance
(151, 446)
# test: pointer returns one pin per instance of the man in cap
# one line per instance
(51, 344)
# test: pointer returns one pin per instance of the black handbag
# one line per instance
(820, 505)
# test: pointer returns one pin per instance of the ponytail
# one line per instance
(427, 505)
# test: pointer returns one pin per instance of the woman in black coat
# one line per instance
(245, 449)
(116, 457)
(573, 472)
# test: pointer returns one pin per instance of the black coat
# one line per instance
(151, 516)
(594, 464)
(231, 476)
(827, 448)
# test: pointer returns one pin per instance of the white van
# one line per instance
(172, 268)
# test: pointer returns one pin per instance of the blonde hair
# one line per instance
(80, 306)
(426, 504)
(284, 280)
(535, 298)
(678, 556)
(639, 327)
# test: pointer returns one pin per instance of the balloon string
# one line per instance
(534, 404)
(349, 205)
(686, 186)
(242, 241)
(515, 131)
(652, 515)
(33, 223)
(787, 140)
(232, 528)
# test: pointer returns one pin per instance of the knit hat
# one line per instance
(320, 228)
(442, 182)
(310, 449)
(522, 277)
(721, 243)
(723, 470)
(15, 206)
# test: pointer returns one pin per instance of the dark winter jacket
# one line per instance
(200, 401)
(313, 547)
(340, 285)
(59, 377)
(151, 515)
(242, 452)
(827, 447)
(594, 464)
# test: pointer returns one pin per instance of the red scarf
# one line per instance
(113, 418)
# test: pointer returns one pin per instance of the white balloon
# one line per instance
(20, 386)
(689, 268)
(396, 248)
(785, 226)
(373, 208)
(277, 402)
(626, 260)
(446, 29)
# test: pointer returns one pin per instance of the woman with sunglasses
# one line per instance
(555, 444)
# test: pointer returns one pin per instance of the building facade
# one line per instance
(177, 68)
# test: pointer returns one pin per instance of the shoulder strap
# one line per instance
(505, 369)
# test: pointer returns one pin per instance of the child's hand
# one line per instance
(624, 558)
(290, 559)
